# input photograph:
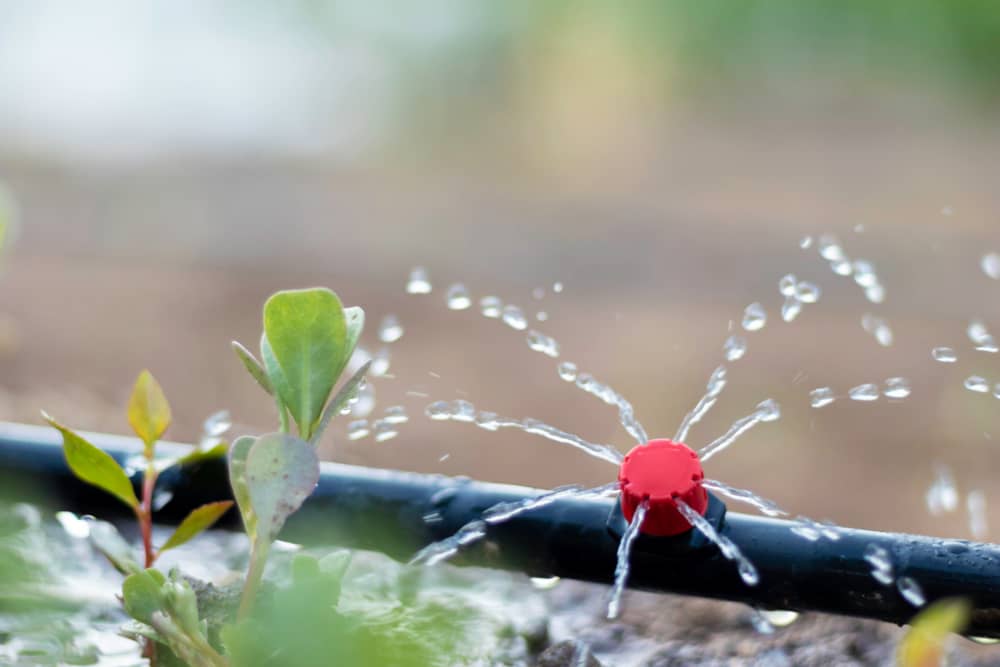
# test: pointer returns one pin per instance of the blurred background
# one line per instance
(176, 162)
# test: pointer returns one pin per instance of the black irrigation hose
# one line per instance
(397, 513)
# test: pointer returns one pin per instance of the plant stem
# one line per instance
(255, 572)
(146, 513)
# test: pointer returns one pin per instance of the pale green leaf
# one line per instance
(106, 539)
(148, 410)
(281, 472)
(354, 316)
(198, 520)
(307, 332)
(238, 480)
(345, 394)
(277, 378)
(924, 643)
(253, 366)
(142, 594)
(95, 466)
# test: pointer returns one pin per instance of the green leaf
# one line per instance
(95, 466)
(142, 594)
(924, 643)
(148, 410)
(198, 520)
(277, 378)
(345, 394)
(281, 472)
(198, 455)
(253, 366)
(238, 480)
(307, 332)
(355, 318)
(106, 539)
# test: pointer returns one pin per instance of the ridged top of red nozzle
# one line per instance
(660, 471)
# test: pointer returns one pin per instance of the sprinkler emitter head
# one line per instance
(660, 472)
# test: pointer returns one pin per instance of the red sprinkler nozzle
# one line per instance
(660, 471)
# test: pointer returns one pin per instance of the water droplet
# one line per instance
(787, 285)
(567, 371)
(864, 392)
(491, 307)
(395, 414)
(977, 384)
(489, 421)
(539, 342)
(541, 316)
(897, 387)
(807, 292)
(948, 211)
(806, 242)
(875, 293)
(991, 265)
(945, 355)
(458, 297)
(975, 504)
(357, 429)
(877, 327)
(557, 288)
(217, 424)
(985, 641)
(538, 293)
(829, 248)
(545, 583)
(911, 591)
(735, 348)
(859, 229)
(748, 572)
(981, 337)
(842, 267)
(942, 495)
(364, 400)
(754, 317)
(463, 411)
(821, 397)
(74, 525)
(768, 410)
(864, 273)
(390, 330)
(881, 562)
(780, 617)
(384, 430)
(514, 317)
(380, 362)
(791, 308)
(444, 457)
(996, 390)
(760, 623)
(438, 410)
(418, 283)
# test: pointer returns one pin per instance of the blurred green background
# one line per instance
(176, 162)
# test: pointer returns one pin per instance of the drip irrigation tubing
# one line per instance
(398, 513)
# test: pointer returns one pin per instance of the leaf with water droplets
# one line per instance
(253, 366)
(198, 520)
(142, 594)
(94, 465)
(281, 472)
(924, 643)
(345, 394)
(148, 410)
(306, 332)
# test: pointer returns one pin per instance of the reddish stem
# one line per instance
(145, 514)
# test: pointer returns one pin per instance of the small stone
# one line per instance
(566, 654)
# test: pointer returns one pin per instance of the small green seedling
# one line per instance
(149, 415)
(308, 339)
